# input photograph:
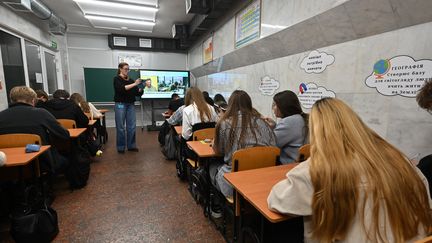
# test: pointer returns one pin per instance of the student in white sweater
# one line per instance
(355, 187)
(196, 111)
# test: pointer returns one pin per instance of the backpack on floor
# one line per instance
(164, 130)
(78, 170)
(33, 220)
(200, 185)
(169, 148)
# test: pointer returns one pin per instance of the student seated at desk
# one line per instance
(196, 111)
(23, 117)
(291, 130)
(175, 103)
(63, 108)
(42, 97)
(424, 100)
(177, 117)
(232, 135)
(356, 187)
(85, 106)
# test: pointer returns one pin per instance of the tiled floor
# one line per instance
(132, 197)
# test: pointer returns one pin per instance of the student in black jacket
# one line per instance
(63, 108)
(125, 92)
(23, 117)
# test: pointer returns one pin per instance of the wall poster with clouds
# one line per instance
(316, 62)
(310, 93)
(268, 86)
(399, 75)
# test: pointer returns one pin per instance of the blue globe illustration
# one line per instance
(381, 67)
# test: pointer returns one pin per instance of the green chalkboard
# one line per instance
(99, 83)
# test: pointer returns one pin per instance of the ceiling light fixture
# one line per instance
(119, 5)
(119, 20)
(274, 26)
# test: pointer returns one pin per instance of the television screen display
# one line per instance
(162, 84)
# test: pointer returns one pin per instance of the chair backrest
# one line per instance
(304, 153)
(18, 140)
(202, 125)
(67, 123)
(206, 133)
(254, 158)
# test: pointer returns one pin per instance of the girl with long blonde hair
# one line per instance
(196, 111)
(355, 187)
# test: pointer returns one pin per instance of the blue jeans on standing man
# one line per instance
(125, 112)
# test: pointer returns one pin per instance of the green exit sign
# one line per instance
(54, 44)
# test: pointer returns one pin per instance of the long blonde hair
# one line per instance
(194, 95)
(345, 153)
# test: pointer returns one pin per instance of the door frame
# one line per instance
(58, 69)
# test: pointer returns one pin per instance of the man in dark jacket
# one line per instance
(63, 108)
(23, 117)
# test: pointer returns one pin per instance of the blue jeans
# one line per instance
(125, 112)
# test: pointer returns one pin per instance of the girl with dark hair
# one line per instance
(240, 127)
(291, 130)
(125, 91)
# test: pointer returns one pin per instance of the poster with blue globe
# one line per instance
(400, 75)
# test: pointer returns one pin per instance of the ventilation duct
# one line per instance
(57, 25)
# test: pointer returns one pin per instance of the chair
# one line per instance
(67, 123)
(425, 240)
(248, 159)
(19, 140)
(206, 133)
(304, 153)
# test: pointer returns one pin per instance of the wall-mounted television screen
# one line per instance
(162, 84)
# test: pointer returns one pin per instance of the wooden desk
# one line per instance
(103, 111)
(255, 186)
(18, 157)
(178, 129)
(92, 122)
(202, 149)
(75, 132)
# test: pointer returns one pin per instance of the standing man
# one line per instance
(125, 91)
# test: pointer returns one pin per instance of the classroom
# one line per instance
(216, 121)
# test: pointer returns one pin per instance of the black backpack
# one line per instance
(78, 170)
(164, 130)
(200, 185)
(169, 148)
(33, 220)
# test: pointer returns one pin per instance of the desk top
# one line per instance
(92, 122)
(75, 132)
(255, 186)
(103, 110)
(17, 156)
(178, 129)
(202, 149)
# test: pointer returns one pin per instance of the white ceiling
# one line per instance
(170, 12)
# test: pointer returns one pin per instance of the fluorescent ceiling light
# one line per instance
(150, 19)
(110, 28)
(274, 26)
(119, 20)
(119, 5)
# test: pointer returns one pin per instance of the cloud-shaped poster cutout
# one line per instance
(400, 75)
(268, 85)
(317, 62)
(311, 93)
